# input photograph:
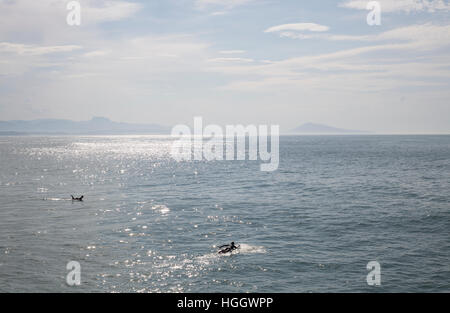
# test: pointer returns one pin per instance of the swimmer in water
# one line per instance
(77, 199)
(227, 248)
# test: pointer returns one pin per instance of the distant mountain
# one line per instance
(310, 128)
(2, 133)
(97, 125)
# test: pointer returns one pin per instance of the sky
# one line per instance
(283, 62)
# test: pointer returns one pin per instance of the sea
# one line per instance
(151, 224)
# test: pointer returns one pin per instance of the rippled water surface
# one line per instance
(150, 224)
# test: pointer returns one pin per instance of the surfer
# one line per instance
(227, 248)
(77, 199)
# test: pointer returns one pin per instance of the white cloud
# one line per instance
(294, 35)
(105, 73)
(35, 33)
(36, 18)
(22, 49)
(218, 13)
(107, 10)
(412, 56)
(425, 36)
(297, 30)
(223, 3)
(401, 5)
(231, 60)
(96, 53)
(312, 27)
(232, 51)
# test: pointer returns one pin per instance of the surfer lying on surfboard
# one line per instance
(228, 248)
(77, 199)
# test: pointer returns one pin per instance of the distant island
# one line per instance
(311, 128)
(104, 126)
(95, 126)
(8, 133)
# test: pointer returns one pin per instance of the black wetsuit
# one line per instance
(227, 248)
(77, 199)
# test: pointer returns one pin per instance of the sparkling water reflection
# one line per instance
(150, 224)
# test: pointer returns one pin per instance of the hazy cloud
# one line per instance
(22, 49)
(232, 51)
(401, 5)
(222, 3)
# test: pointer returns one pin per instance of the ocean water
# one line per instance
(150, 224)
